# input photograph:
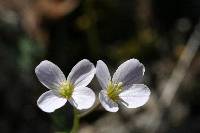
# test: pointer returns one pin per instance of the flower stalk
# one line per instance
(76, 122)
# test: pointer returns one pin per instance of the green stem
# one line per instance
(75, 122)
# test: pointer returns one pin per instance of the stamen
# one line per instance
(66, 89)
(114, 90)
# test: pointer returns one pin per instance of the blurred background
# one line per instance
(163, 35)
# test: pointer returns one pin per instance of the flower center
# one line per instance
(66, 89)
(113, 90)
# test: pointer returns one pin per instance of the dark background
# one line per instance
(66, 31)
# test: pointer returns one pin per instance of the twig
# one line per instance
(172, 85)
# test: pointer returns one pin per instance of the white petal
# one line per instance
(49, 74)
(82, 98)
(49, 102)
(103, 74)
(107, 103)
(129, 72)
(82, 73)
(135, 96)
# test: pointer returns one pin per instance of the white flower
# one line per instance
(61, 89)
(123, 88)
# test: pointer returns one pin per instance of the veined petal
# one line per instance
(82, 73)
(103, 74)
(82, 98)
(49, 102)
(135, 96)
(129, 73)
(49, 74)
(107, 103)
